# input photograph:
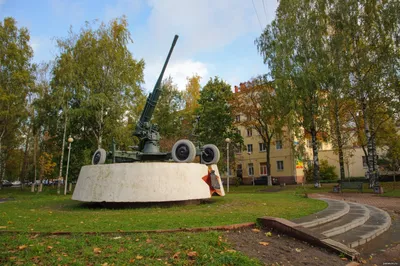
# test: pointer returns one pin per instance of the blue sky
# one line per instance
(216, 36)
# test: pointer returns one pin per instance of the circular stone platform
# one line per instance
(144, 182)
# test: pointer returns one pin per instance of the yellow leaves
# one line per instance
(263, 243)
(298, 249)
(3, 227)
(176, 255)
(97, 250)
(46, 163)
(268, 234)
(22, 247)
(138, 257)
(255, 230)
(10, 222)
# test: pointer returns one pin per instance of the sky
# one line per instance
(216, 37)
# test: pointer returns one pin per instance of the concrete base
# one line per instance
(145, 182)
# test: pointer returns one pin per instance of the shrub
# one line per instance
(326, 171)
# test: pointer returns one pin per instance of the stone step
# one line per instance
(358, 214)
(378, 222)
(335, 210)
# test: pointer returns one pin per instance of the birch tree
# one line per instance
(15, 79)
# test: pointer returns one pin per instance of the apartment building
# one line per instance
(251, 162)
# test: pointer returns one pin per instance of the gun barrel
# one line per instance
(152, 99)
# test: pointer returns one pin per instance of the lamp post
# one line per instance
(227, 140)
(70, 140)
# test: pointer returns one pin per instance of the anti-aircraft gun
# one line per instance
(183, 151)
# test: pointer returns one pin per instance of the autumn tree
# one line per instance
(15, 79)
(96, 85)
(167, 114)
(192, 93)
(259, 108)
(293, 47)
(373, 26)
(215, 113)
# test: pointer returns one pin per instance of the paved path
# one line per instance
(386, 203)
(384, 248)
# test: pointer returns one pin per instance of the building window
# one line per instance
(249, 132)
(262, 146)
(279, 165)
(239, 171)
(238, 118)
(263, 168)
(278, 145)
(250, 169)
(249, 147)
(238, 132)
(364, 161)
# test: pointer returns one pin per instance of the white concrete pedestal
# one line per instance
(144, 182)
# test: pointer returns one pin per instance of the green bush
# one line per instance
(326, 171)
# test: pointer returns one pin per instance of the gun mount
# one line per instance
(183, 151)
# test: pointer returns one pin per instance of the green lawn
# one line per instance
(28, 212)
(48, 212)
(208, 248)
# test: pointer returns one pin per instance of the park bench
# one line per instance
(351, 185)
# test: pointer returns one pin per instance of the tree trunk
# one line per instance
(62, 155)
(268, 154)
(25, 161)
(35, 144)
(339, 140)
(315, 153)
(375, 159)
(1, 166)
(367, 132)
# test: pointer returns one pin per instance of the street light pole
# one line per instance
(70, 140)
(227, 140)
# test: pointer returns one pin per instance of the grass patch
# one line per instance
(49, 212)
(208, 248)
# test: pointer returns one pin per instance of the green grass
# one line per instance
(207, 248)
(48, 212)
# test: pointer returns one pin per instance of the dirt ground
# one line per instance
(280, 249)
(284, 250)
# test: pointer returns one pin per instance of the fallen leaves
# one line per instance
(3, 227)
(298, 249)
(22, 247)
(138, 257)
(97, 250)
(255, 230)
(176, 255)
(192, 254)
(268, 234)
(263, 243)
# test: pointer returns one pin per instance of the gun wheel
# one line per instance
(183, 151)
(99, 157)
(210, 154)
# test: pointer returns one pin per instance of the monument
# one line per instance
(145, 174)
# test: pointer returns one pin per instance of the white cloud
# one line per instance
(204, 27)
(178, 70)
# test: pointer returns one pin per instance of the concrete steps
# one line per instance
(351, 224)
